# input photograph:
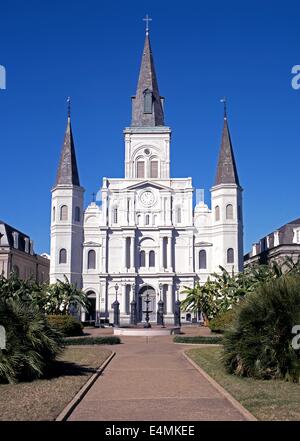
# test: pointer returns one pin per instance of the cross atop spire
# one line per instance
(147, 19)
(69, 106)
(223, 100)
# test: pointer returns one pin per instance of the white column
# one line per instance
(169, 253)
(132, 253)
(124, 253)
(170, 300)
(161, 253)
(104, 252)
(123, 299)
(98, 304)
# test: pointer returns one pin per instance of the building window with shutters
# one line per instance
(202, 259)
(217, 213)
(53, 214)
(147, 219)
(63, 255)
(229, 211)
(154, 169)
(91, 259)
(115, 215)
(142, 259)
(63, 213)
(178, 215)
(230, 255)
(140, 169)
(152, 259)
(77, 214)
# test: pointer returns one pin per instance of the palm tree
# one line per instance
(200, 299)
(64, 297)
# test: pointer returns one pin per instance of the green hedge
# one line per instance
(259, 344)
(198, 340)
(68, 325)
(106, 340)
(222, 321)
(31, 344)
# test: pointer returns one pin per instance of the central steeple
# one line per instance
(147, 109)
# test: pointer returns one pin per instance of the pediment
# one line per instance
(147, 184)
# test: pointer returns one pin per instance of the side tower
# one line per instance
(227, 208)
(67, 216)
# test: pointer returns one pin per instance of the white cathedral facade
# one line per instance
(145, 236)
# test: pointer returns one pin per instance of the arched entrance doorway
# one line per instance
(142, 304)
(90, 315)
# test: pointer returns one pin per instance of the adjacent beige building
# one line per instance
(17, 255)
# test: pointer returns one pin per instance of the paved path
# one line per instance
(149, 379)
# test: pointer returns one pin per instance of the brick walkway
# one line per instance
(149, 379)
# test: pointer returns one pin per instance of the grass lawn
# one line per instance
(44, 399)
(266, 400)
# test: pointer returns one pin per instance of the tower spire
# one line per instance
(67, 172)
(226, 169)
(147, 110)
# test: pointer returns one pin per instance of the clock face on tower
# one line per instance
(147, 198)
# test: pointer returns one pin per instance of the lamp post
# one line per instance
(147, 311)
(160, 309)
(116, 308)
(177, 311)
(133, 315)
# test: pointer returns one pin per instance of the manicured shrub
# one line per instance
(105, 340)
(200, 339)
(222, 321)
(259, 344)
(68, 325)
(31, 344)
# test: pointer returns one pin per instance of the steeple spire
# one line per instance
(147, 110)
(67, 172)
(226, 170)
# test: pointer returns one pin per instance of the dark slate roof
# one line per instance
(226, 171)
(286, 232)
(286, 235)
(7, 240)
(147, 80)
(67, 172)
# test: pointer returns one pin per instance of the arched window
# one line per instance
(229, 211)
(178, 215)
(77, 214)
(217, 213)
(154, 169)
(63, 213)
(63, 255)
(147, 219)
(202, 259)
(53, 214)
(140, 169)
(155, 220)
(91, 259)
(115, 215)
(138, 219)
(151, 258)
(230, 255)
(142, 259)
(147, 101)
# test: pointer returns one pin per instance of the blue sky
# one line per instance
(203, 50)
